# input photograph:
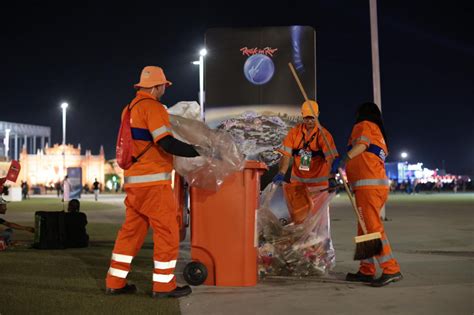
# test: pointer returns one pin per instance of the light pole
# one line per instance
(374, 40)
(64, 107)
(6, 142)
(202, 54)
(404, 155)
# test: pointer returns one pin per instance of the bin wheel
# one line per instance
(195, 273)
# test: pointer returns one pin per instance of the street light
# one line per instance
(6, 142)
(64, 107)
(404, 155)
(202, 54)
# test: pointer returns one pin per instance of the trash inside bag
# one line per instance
(277, 205)
(295, 249)
(219, 156)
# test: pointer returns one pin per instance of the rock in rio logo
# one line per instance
(259, 67)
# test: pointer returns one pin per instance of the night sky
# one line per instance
(90, 55)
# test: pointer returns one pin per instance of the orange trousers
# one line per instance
(371, 201)
(155, 206)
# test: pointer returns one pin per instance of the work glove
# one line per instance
(278, 179)
(342, 164)
(339, 163)
(332, 184)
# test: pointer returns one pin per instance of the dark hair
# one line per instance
(73, 206)
(370, 112)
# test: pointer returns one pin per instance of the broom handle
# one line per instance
(297, 79)
(351, 198)
(353, 203)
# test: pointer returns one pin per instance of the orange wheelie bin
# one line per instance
(180, 193)
(223, 230)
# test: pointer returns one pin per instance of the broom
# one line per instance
(367, 245)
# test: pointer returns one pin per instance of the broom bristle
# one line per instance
(368, 249)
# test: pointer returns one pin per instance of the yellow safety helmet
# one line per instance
(310, 108)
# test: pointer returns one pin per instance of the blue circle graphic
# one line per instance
(259, 69)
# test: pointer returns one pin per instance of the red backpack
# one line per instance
(124, 147)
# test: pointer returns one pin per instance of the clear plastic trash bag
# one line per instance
(190, 110)
(303, 249)
(219, 156)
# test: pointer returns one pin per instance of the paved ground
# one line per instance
(433, 242)
(432, 237)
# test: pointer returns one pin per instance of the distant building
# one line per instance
(47, 166)
(15, 136)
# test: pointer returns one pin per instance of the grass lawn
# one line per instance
(71, 281)
(54, 204)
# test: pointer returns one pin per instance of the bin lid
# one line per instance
(255, 165)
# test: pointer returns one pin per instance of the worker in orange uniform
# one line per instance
(149, 198)
(312, 157)
(365, 169)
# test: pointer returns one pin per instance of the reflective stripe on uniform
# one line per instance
(286, 149)
(122, 258)
(118, 273)
(147, 178)
(159, 131)
(310, 180)
(331, 153)
(370, 182)
(383, 259)
(385, 242)
(162, 278)
(165, 265)
(368, 261)
(361, 138)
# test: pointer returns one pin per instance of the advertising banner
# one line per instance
(249, 89)
(75, 178)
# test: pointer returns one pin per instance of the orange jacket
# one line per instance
(367, 170)
(320, 166)
(149, 122)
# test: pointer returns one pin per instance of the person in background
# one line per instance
(66, 189)
(7, 233)
(25, 190)
(96, 188)
(117, 187)
(76, 221)
(57, 186)
(86, 188)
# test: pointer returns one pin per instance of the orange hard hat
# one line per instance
(310, 108)
(152, 76)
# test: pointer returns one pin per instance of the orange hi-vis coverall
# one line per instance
(298, 138)
(367, 176)
(149, 200)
